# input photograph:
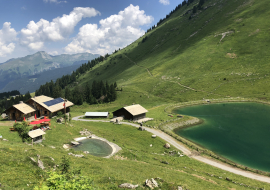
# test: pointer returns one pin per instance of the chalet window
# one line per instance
(45, 112)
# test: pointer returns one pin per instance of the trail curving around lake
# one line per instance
(187, 152)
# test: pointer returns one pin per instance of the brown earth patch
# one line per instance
(203, 178)
(117, 157)
(255, 32)
(6, 123)
(231, 55)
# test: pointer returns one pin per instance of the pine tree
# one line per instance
(68, 94)
(113, 93)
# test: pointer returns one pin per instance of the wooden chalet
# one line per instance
(134, 112)
(20, 111)
(47, 106)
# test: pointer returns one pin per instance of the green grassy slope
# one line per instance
(185, 60)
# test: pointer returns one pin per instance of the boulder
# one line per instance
(86, 152)
(40, 163)
(167, 145)
(79, 155)
(60, 120)
(154, 182)
(66, 146)
(179, 188)
(151, 183)
(128, 186)
(154, 136)
(142, 128)
(148, 183)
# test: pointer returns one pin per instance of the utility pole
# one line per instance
(65, 110)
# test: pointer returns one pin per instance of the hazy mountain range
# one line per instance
(29, 72)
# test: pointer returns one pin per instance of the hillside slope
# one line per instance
(221, 51)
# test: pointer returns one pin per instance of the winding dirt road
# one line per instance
(187, 152)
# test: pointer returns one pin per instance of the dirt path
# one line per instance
(187, 152)
(139, 65)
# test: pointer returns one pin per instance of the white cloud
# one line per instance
(7, 37)
(54, 1)
(35, 34)
(114, 32)
(53, 53)
(23, 8)
(164, 2)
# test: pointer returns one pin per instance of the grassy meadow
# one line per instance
(135, 163)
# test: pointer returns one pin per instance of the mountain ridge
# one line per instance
(37, 63)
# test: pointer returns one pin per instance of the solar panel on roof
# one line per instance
(53, 102)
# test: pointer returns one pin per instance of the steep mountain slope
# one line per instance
(219, 51)
(38, 63)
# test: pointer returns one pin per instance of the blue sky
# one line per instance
(75, 26)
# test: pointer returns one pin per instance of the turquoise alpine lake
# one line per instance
(95, 147)
(237, 131)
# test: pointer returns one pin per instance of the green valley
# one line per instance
(216, 53)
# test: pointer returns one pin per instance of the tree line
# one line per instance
(10, 101)
(8, 94)
(97, 92)
(185, 2)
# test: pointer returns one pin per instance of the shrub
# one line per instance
(22, 129)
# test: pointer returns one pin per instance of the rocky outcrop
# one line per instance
(40, 163)
(151, 183)
(86, 133)
(76, 155)
(128, 186)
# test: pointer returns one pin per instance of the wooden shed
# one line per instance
(133, 112)
(96, 114)
(20, 111)
(47, 106)
(36, 135)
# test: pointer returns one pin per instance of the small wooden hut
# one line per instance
(36, 135)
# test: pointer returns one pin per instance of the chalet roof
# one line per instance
(136, 109)
(36, 133)
(24, 108)
(53, 108)
(97, 114)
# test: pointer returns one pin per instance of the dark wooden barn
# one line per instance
(20, 111)
(134, 112)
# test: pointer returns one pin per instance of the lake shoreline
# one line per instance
(201, 149)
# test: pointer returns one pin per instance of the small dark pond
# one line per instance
(95, 147)
(237, 131)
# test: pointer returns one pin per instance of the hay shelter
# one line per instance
(133, 112)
